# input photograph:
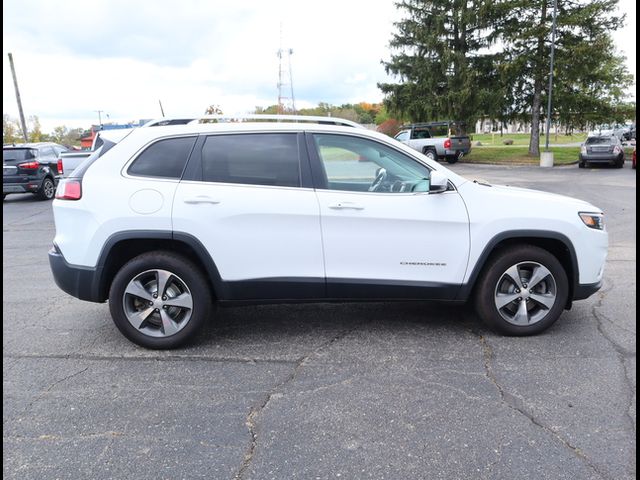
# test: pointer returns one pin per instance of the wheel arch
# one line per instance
(555, 243)
(123, 246)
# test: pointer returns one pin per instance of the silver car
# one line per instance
(602, 149)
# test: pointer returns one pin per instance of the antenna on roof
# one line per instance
(161, 109)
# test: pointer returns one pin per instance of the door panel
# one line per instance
(253, 232)
(395, 237)
(387, 237)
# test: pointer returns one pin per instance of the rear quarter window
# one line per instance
(165, 158)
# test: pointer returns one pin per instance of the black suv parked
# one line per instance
(31, 168)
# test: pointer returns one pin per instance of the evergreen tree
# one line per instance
(589, 75)
(442, 60)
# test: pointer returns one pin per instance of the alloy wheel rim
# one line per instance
(158, 303)
(525, 293)
(49, 189)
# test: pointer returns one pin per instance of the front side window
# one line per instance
(402, 136)
(363, 165)
(252, 159)
(165, 158)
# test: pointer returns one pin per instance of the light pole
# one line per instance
(553, 48)
(99, 116)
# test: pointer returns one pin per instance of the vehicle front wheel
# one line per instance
(47, 190)
(430, 154)
(523, 291)
(159, 300)
(582, 164)
(620, 162)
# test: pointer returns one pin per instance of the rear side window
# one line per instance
(165, 158)
(47, 153)
(254, 159)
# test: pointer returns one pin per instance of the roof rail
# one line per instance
(161, 122)
(279, 118)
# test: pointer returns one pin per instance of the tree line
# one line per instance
(470, 59)
(12, 132)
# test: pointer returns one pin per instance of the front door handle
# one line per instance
(201, 199)
(346, 205)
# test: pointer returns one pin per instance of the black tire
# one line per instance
(492, 278)
(430, 153)
(47, 189)
(620, 162)
(184, 273)
(582, 164)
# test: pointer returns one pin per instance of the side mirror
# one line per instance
(438, 182)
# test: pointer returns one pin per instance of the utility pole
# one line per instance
(553, 48)
(99, 116)
(15, 84)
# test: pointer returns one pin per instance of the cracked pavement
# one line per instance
(376, 390)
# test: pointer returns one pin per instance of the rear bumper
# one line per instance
(604, 158)
(79, 282)
(21, 184)
(454, 152)
(585, 290)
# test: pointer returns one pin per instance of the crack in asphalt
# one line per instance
(516, 404)
(48, 389)
(622, 354)
(166, 358)
(255, 411)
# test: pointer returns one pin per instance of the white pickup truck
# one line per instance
(437, 140)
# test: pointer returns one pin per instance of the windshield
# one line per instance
(17, 154)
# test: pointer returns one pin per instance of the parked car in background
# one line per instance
(631, 134)
(437, 140)
(605, 149)
(31, 168)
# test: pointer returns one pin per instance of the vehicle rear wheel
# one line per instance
(523, 291)
(47, 190)
(456, 158)
(159, 300)
(430, 153)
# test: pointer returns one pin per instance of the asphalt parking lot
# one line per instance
(379, 390)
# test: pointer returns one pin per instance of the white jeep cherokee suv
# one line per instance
(173, 218)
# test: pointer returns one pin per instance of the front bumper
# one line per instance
(79, 282)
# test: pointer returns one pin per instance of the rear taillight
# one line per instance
(447, 143)
(69, 190)
(29, 166)
(60, 171)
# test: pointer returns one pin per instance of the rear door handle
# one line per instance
(201, 199)
(346, 205)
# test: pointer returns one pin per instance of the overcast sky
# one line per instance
(76, 57)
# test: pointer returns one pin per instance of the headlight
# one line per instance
(592, 220)
(583, 150)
